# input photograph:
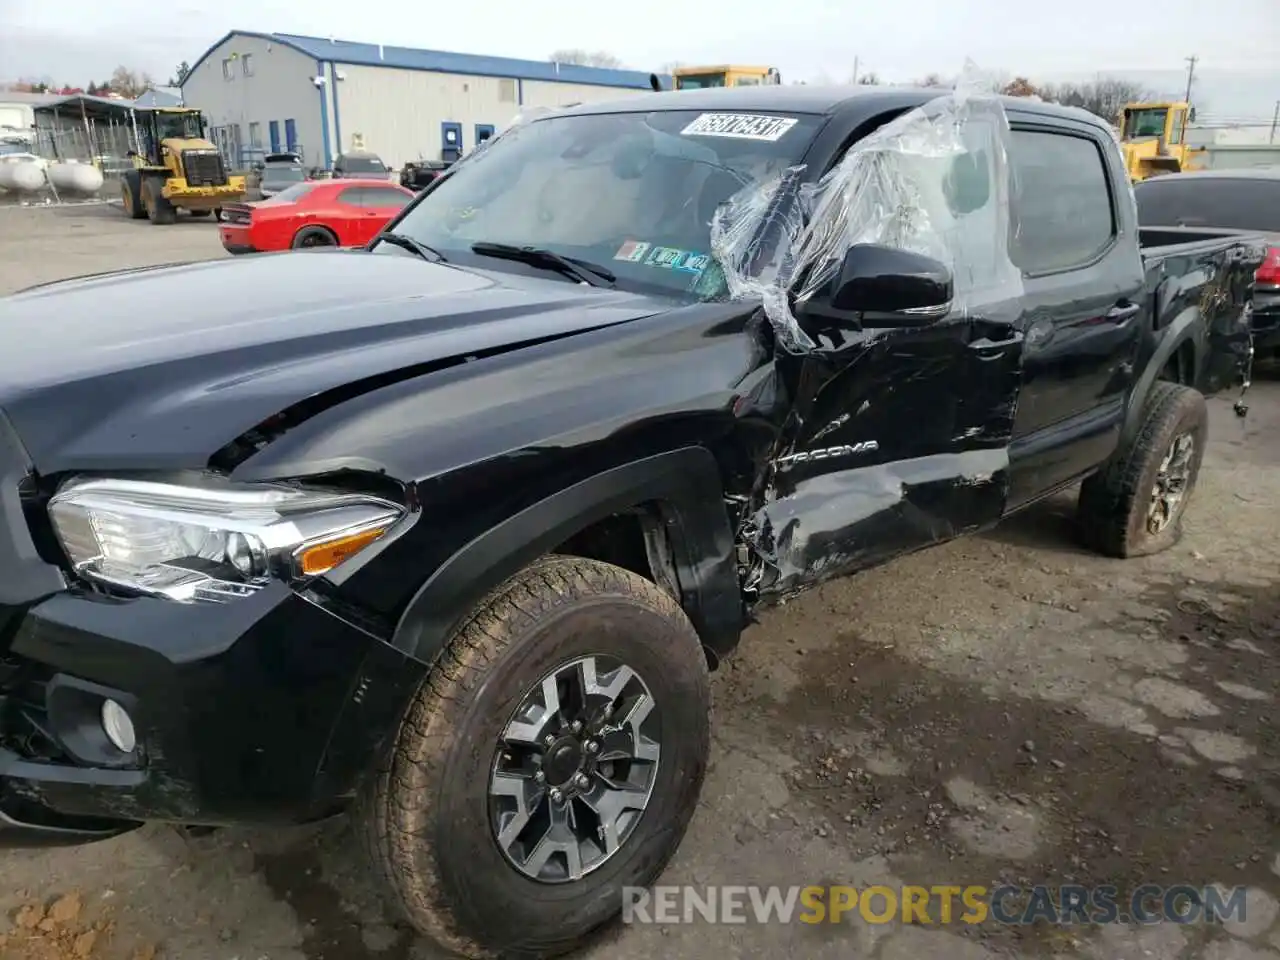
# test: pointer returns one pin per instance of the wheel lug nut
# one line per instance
(539, 777)
(548, 740)
(577, 726)
(556, 795)
(592, 746)
(580, 780)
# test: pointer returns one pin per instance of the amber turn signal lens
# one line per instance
(322, 557)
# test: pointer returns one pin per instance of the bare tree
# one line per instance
(932, 80)
(670, 66)
(1104, 97)
(129, 83)
(871, 79)
(586, 58)
(180, 74)
(1021, 87)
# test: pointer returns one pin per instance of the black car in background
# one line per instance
(420, 174)
(1246, 201)
(362, 164)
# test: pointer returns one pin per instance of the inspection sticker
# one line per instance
(739, 126)
(632, 251)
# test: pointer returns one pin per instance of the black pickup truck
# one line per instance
(448, 532)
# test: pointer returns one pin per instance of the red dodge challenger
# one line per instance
(317, 213)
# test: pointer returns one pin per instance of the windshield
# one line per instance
(361, 165)
(634, 192)
(181, 126)
(700, 81)
(283, 173)
(1145, 123)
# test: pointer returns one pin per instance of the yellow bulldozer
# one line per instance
(1153, 137)
(175, 167)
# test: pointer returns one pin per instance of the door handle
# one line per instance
(987, 346)
(1123, 312)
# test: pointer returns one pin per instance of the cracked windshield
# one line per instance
(773, 481)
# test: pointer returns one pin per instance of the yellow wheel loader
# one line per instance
(175, 168)
(699, 78)
(1154, 139)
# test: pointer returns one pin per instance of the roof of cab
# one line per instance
(802, 98)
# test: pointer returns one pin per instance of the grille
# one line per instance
(24, 725)
(204, 168)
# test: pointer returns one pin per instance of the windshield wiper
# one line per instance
(581, 270)
(413, 246)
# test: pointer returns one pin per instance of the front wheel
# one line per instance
(1134, 506)
(553, 757)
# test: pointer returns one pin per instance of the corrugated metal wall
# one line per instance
(399, 113)
(279, 88)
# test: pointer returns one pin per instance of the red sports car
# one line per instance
(316, 213)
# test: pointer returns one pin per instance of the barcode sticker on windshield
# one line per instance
(739, 126)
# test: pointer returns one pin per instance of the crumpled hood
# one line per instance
(159, 368)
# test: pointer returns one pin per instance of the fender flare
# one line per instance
(1179, 331)
(684, 485)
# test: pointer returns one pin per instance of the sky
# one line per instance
(1236, 40)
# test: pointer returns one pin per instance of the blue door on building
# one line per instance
(484, 131)
(450, 141)
(291, 135)
(273, 131)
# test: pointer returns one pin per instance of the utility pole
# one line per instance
(1191, 74)
(1275, 122)
(855, 69)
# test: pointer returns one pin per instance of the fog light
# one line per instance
(118, 726)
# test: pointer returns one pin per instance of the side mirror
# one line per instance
(885, 280)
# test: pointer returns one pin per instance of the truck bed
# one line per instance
(1197, 271)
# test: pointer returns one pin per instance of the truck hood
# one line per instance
(159, 368)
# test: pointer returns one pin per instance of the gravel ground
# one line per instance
(1006, 708)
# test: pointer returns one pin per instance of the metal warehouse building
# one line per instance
(264, 92)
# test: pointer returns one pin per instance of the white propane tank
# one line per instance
(22, 175)
(75, 177)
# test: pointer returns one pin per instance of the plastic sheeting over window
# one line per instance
(934, 181)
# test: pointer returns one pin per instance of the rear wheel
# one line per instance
(309, 237)
(553, 757)
(159, 209)
(1135, 505)
(131, 195)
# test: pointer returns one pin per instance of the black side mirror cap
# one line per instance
(886, 280)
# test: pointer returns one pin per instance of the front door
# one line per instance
(1083, 297)
(898, 439)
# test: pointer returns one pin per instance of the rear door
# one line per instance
(1083, 301)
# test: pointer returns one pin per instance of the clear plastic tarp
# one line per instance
(935, 181)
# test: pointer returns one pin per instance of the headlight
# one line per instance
(211, 540)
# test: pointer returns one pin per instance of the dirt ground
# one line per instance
(1006, 708)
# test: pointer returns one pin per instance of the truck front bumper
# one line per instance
(267, 709)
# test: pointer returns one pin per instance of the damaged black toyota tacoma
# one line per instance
(447, 532)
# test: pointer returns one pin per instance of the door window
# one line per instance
(382, 199)
(1063, 216)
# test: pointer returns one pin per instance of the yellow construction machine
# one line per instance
(699, 78)
(1154, 139)
(175, 167)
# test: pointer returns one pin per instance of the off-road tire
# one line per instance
(159, 209)
(309, 238)
(424, 816)
(131, 195)
(1114, 502)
